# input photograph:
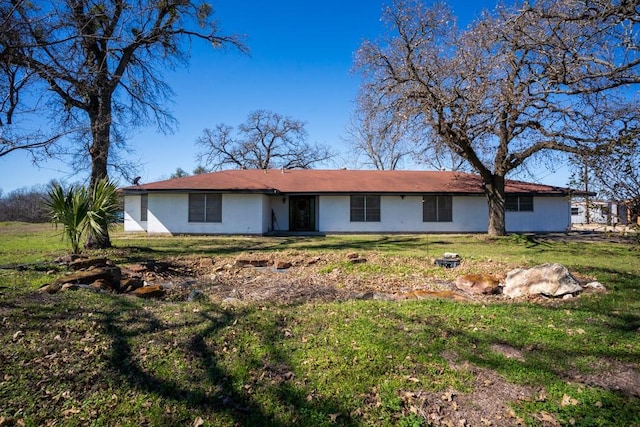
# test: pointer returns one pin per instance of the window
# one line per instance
(205, 207)
(518, 204)
(144, 205)
(575, 211)
(365, 208)
(437, 209)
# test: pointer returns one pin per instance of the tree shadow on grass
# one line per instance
(612, 372)
(216, 391)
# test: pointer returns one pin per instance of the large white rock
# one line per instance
(552, 280)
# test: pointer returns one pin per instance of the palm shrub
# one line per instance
(79, 210)
(104, 210)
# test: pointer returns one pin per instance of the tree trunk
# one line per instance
(99, 151)
(494, 190)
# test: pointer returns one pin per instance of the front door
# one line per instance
(302, 213)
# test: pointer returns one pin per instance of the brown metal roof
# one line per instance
(337, 181)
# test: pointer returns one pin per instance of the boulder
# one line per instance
(552, 280)
(478, 284)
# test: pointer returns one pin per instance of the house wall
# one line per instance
(550, 214)
(259, 214)
(169, 213)
(132, 214)
(399, 214)
(280, 220)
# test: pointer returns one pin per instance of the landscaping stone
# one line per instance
(595, 287)
(66, 259)
(282, 265)
(429, 294)
(102, 284)
(196, 295)
(153, 291)
(90, 276)
(552, 280)
(206, 262)
(251, 262)
(129, 284)
(478, 284)
(84, 263)
(50, 288)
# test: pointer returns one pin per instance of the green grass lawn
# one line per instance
(80, 358)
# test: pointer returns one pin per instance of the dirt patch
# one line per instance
(608, 374)
(487, 405)
(304, 279)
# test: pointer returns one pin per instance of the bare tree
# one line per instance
(514, 85)
(265, 140)
(95, 67)
(389, 140)
(379, 136)
(24, 204)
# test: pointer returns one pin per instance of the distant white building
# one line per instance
(599, 212)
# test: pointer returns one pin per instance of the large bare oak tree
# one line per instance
(93, 68)
(516, 84)
(385, 141)
(265, 140)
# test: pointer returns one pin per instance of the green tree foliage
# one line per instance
(179, 173)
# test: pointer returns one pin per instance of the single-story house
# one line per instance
(337, 201)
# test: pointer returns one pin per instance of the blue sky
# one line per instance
(299, 65)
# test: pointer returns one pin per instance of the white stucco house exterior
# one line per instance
(258, 202)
